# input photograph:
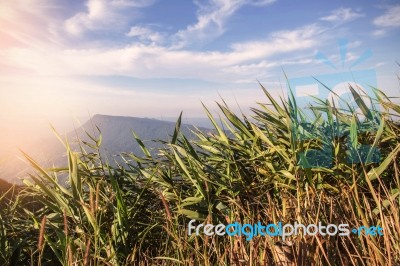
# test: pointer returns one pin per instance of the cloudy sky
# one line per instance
(156, 57)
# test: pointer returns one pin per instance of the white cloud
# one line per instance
(211, 20)
(342, 15)
(390, 19)
(379, 33)
(155, 61)
(102, 15)
(261, 2)
(97, 16)
(145, 34)
(379, 64)
(131, 3)
(150, 58)
(281, 41)
(262, 69)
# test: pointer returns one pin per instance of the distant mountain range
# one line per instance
(117, 137)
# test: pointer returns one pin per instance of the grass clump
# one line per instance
(247, 170)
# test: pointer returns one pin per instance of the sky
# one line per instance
(153, 58)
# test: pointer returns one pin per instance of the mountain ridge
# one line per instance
(117, 138)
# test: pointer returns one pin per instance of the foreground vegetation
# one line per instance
(246, 171)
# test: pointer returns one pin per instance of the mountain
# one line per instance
(117, 132)
(117, 137)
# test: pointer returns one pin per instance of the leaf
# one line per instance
(142, 146)
(235, 121)
(353, 132)
(177, 128)
(193, 214)
(375, 172)
(361, 104)
(216, 126)
(168, 258)
(386, 203)
(187, 173)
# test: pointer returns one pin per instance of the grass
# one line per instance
(248, 170)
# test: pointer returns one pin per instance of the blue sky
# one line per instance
(155, 58)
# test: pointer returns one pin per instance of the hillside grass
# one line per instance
(247, 171)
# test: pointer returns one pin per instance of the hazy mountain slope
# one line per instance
(117, 132)
(117, 137)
